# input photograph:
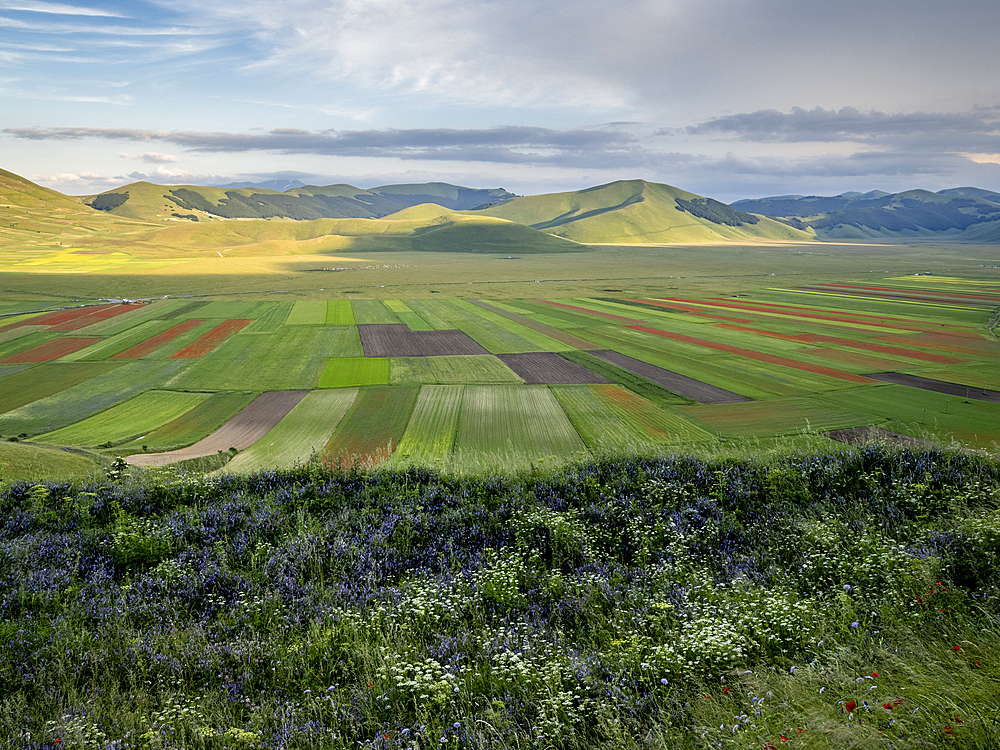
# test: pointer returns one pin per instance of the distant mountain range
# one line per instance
(968, 214)
(163, 219)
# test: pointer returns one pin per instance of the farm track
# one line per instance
(240, 432)
(548, 368)
(696, 390)
(397, 340)
(938, 386)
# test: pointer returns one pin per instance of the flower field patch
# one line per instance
(779, 416)
(207, 342)
(240, 432)
(154, 342)
(48, 351)
(373, 426)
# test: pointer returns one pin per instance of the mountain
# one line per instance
(144, 200)
(967, 214)
(279, 185)
(635, 211)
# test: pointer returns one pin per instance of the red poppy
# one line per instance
(874, 674)
(947, 730)
(850, 706)
(887, 706)
(725, 690)
(957, 647)
(958, 720)
(784, 738)
(799, 729)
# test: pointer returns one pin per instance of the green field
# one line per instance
(430, 434)
(192, 425)
(130, 420)
(343, 372)
(475, 369)
(301, 435)
(339, 313)
(307, 312)
(373, 426)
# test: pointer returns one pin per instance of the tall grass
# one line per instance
(812, 600)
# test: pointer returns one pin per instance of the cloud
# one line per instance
(954, 130)
(57, 8)
(151, 157)
(595, 148)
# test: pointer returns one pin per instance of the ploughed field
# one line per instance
(470, 384)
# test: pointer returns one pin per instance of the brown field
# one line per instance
(548, 368)
(695, 390)
(938, 386)
(397, 340)
(240, 432)
(96, 316)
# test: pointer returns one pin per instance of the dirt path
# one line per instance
(240, 432)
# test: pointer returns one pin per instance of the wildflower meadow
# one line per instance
(823, 601)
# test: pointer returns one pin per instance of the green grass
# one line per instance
(372, 427)
(344, 372)
(269, 317)
(291, 358)
(430, 433)
(781, 416)
(192, 425)
(128, 420)
(475, 369)
(339, 313)
(307, 312)
(31, 463)
(372, 311)
(87, 398)
(514, 426)
(303, 432)
(44, 380)
(613, 421)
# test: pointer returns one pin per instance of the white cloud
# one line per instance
(57, 8)
(151, 157)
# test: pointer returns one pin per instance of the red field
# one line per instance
(206, 343)
(759, 356)
(155, 342)
(48, 351)
(97, 314)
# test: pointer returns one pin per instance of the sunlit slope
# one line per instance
(192, 202)
(635, 211)
(419, 228)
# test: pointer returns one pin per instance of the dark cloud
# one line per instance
(978, 129)
(591, 148)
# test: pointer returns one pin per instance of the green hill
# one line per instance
(966, 214)
(635, 211)
(143, 200)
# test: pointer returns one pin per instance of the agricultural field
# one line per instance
(529, 378)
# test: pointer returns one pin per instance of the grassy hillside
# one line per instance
(635, 211)
(196, 203)
(968, 214)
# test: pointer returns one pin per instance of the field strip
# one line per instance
(477, 369)
(113, 344)
(548, 368)
(25, 386)
(156, 341)
(992, 299)
(307, 313)
(396, 340)
(938, 386)
(750, 354)
(50, 350)
(588, 311)
(781, 416)
(786, 311)
(547, 330)
(240, 432)
(680, 309)
(868, 298)
(816, 338)
(373, 426)
(430, 434)
(347, 372)
(208, 341)
(696, 390)
(339, 313)
(95, 317)
(9, 334)
(137, 416)
(300, 434)
(192, 425)
(940, 345)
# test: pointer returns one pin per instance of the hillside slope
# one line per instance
(635, 211)
(965, 214)
(144, 200)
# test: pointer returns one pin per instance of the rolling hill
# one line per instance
(144, 200)
(635, 211)
(966, 214)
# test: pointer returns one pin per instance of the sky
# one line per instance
(726, 98)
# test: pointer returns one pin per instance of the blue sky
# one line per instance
(728, 98)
